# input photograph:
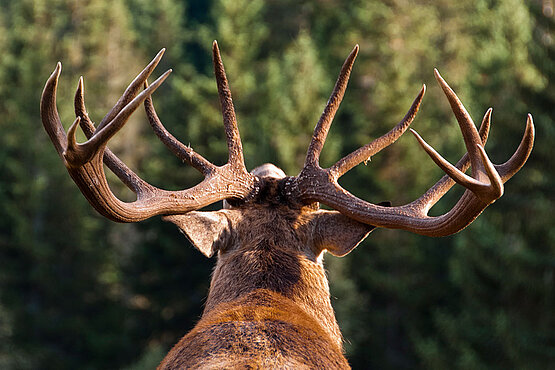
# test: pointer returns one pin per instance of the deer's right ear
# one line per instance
(337, 233)
(207, 231)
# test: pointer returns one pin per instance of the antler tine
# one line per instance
(482, 167)
(80, 109)
(360, 155)
(132, 90)
(120, 169)
(324, 123)
(517, 160)
(468, 128)
(49, 112)
(78, 154)
(434, 194)
(460, 177)
(183, 152)
(234, 144)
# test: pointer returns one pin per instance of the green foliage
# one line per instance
(77, 291)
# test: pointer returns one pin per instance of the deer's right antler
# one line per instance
(84, 161)
(315, 184)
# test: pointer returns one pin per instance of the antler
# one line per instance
(315, 184)
(84, 161)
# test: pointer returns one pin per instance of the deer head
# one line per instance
(268, 302)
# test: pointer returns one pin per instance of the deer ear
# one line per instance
(336, 233)
(207, 231)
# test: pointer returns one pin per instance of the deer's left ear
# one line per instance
(207, 231)
(336, 233)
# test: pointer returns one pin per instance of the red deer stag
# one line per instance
(269, 302)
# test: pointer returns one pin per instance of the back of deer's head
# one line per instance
(271, 233)
(270, 242)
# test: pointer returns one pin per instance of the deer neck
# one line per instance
(291, 275)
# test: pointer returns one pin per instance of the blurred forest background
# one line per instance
(80, 292)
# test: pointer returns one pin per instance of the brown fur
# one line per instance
(269, 303)
(263, 329)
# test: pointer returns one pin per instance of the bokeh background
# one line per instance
(80, 292)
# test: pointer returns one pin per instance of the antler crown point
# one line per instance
(438, 76)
